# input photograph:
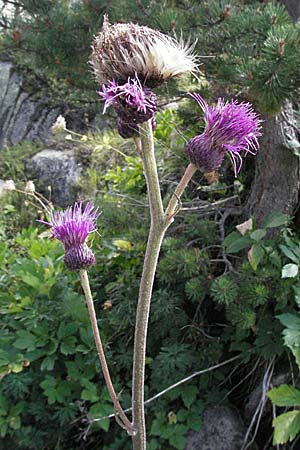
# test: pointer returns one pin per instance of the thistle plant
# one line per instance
(129, 61)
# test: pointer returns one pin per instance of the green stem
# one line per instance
(124, 421)
(172, 206)
(160, 221)
(156, 234)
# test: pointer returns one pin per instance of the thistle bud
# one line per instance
(72, 227)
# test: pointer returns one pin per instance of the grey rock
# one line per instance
(256, 395)
(22, 115)
(30, 115)
(59, 169)
(221, 429)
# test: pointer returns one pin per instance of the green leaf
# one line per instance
(258, 235)
(31, 280)
(234, 242)
(255, 255)
(48, 363)
(289, 253)
(25, 340)
(287, 426)
(90, 392)
(289, 271)
(189, 394)
(275, 219)
(68, 346)
(66, 329)
(194, 421)
(285, 395)
(290, 320)
(177, 436)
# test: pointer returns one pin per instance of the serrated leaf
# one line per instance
(25, 340)
(285, 395)
(189, 394)
(287, 426)
(48, 363)
(68, 346)
(289, 271)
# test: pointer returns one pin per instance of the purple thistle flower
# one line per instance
(133, 102)
(72, 228)
(230, 127)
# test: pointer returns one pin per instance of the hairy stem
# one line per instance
(124, 421)
(160, 221)
(155, 238)
(173, 203)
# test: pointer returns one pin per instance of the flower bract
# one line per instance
(230, 127)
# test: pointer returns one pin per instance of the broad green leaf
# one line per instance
(48, 363)
(275, 219)
(285, 395)
(66, 329)
(99, 410)
(68, 346)
(25, 340)
(90, 391)
(289, 271)
(189, 394)
(194, 421)
(290, 320)
(234, 242)
(287, 426)
(258, 235)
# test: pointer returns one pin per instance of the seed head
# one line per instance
(120, 51)
(230, 127)
(72, 228)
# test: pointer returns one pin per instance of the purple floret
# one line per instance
(133, 102)
(230, 127)
(72, 228)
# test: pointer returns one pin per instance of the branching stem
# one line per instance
(160, 221)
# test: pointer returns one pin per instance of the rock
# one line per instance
(59, 169)
(27, 111)
(255, 395)
(22, 115)
(221, 429)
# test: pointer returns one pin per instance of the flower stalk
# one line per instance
(160, 221)
(122, 418)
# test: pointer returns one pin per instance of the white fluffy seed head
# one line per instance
(124, 50)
